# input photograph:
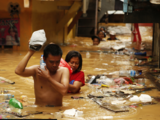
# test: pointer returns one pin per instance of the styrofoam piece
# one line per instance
(70, 112)
(108, 117)
(117, 102)
(135, 98)
(79, 113)
(145, 98)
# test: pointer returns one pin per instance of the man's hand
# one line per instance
(43, 73)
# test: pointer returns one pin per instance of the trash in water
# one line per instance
(72, 113)
(6, 80)
(15, 103)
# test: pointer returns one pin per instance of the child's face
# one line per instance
(74, 63)
(95, 41)
(101, 35)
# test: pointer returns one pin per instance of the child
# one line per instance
(112, 36)
(96, 40)
(74, 59)
(101, 35)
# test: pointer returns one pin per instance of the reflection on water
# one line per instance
(95, 61)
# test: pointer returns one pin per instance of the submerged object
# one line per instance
(15, 103)
(6, 80)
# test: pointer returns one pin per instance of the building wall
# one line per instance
(25, 21)
(46, 15)
(40, 15)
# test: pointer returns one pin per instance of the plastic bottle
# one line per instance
(132, 73)
(42, 63)
(123, 73)
(6, 96)
(15, 103)
(88, 55)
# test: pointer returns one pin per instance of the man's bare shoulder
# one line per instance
(63, 69)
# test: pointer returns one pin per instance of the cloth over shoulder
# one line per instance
(63, 63)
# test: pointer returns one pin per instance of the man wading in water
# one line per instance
(50, 84)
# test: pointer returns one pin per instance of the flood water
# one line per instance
(95, 61)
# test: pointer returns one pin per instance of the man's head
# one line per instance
(112, 35)
(96, 40)
(52, 55)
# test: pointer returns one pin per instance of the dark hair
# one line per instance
(102, 32)
(103, 28)
(72, 54)
(16, 31)
(52, 49)
(96, 37)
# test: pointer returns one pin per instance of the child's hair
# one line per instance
(52, 49)
(103, 28)
(95, 37)
(102, 32)
(72, 54)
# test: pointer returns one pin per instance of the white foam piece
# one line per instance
(135, 98)
(70, 112)
(117, 102)
(108, 117)
(79, 113)
(145, 98)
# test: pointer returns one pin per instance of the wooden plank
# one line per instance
(153, 80)
(70, 13)
(158, 37)
(156, 41)
(96, 18)
(63, 7)
(63, 0)
(15, 47)
(74, 21)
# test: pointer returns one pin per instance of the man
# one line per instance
(50, 84)
(112, 35)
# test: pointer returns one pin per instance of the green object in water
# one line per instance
(132, 79)
(15, 103)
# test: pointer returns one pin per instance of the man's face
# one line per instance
(52, 62)
(95, 41)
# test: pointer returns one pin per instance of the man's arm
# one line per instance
(75, 87)
(21, 68)
(62, 87)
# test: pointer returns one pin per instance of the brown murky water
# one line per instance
(93, 63)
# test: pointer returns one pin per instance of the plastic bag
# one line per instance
(63, 63)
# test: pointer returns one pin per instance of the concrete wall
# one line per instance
(25, 21)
